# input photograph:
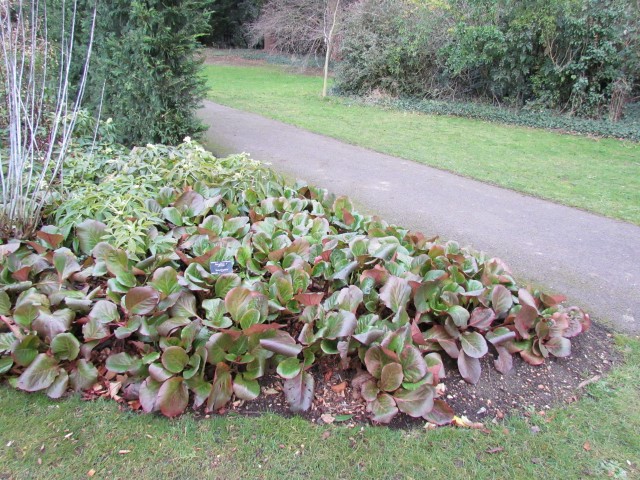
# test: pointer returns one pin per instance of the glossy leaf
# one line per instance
(298, 392)
(173, 397)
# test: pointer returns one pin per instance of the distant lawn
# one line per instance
(597, 437)
(600, 175)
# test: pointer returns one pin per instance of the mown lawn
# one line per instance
(600, 175)
(597, 437)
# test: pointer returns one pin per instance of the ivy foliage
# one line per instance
(308, 276)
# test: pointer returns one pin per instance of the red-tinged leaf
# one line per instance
(299, 392)
(258, 328)
(21, 275)
(504, 362)
(525, 320)
(501, 300)
(383, 408)
(450, 346)
(141, 300)
(391, 377)
(370, 390)
(40, 374)
(395, 293)
(525, 298)
(482, 318)
(413, 365)
(245, 389)
(473, 344)
(500, 335)
(376, 358)
(469, 368)
(559, 346)
(222, 388)
(531, 358)
(282, 344)
(309, 299)
(348, 218)
(551, 300)
(415, 403)
(148, 394)
(494, 450)
(378, 273)
(36, 246)
(416, 335)
(52, 239)
(173, 397)
(440, 414)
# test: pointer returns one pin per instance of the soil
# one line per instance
(524, 390)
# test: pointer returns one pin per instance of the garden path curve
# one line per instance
(593, 260)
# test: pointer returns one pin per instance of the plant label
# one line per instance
(218, 268)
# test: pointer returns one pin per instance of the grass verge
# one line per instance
(598, 436)
(600, 175)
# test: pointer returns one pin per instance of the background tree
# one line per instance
(146, 61)
(229, 23)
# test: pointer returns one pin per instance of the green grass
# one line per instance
(41, 438)
(600, 175)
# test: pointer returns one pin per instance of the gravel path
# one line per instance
(594, 261)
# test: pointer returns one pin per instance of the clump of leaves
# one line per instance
(309, 276)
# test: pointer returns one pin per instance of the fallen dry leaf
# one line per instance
(327, 418)
(587, 446)
(494, 450)
(124, 452)
(326, 434)
(339, 388)
(91, 473)
(466, 423)
(270, 391)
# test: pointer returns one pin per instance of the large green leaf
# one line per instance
(415, 403)
(185, 306)
(289, 368)
(83, 376)
(299, 392)
(225, 283)
(5, 303)
(165, 281)
(26, 351)
(90, 233)
(222, 388)
(123, 362)
(501, 300)
(482, 318)
(383, 408)
(460, 315)
(173, 397)
(5, 364)
(244, 388)
(105, 312)
(141, 300)
(391, 377)
(281, 343)
(40, 374)
(440, 414)
(174, 359)
(473, 344)
(395, 293)
(148, 394)
(59, 386)
(413, 365)
(558, 346)
(65, 263)
(48, 325)
(376, 358)
(469, 367)
(65, 346)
